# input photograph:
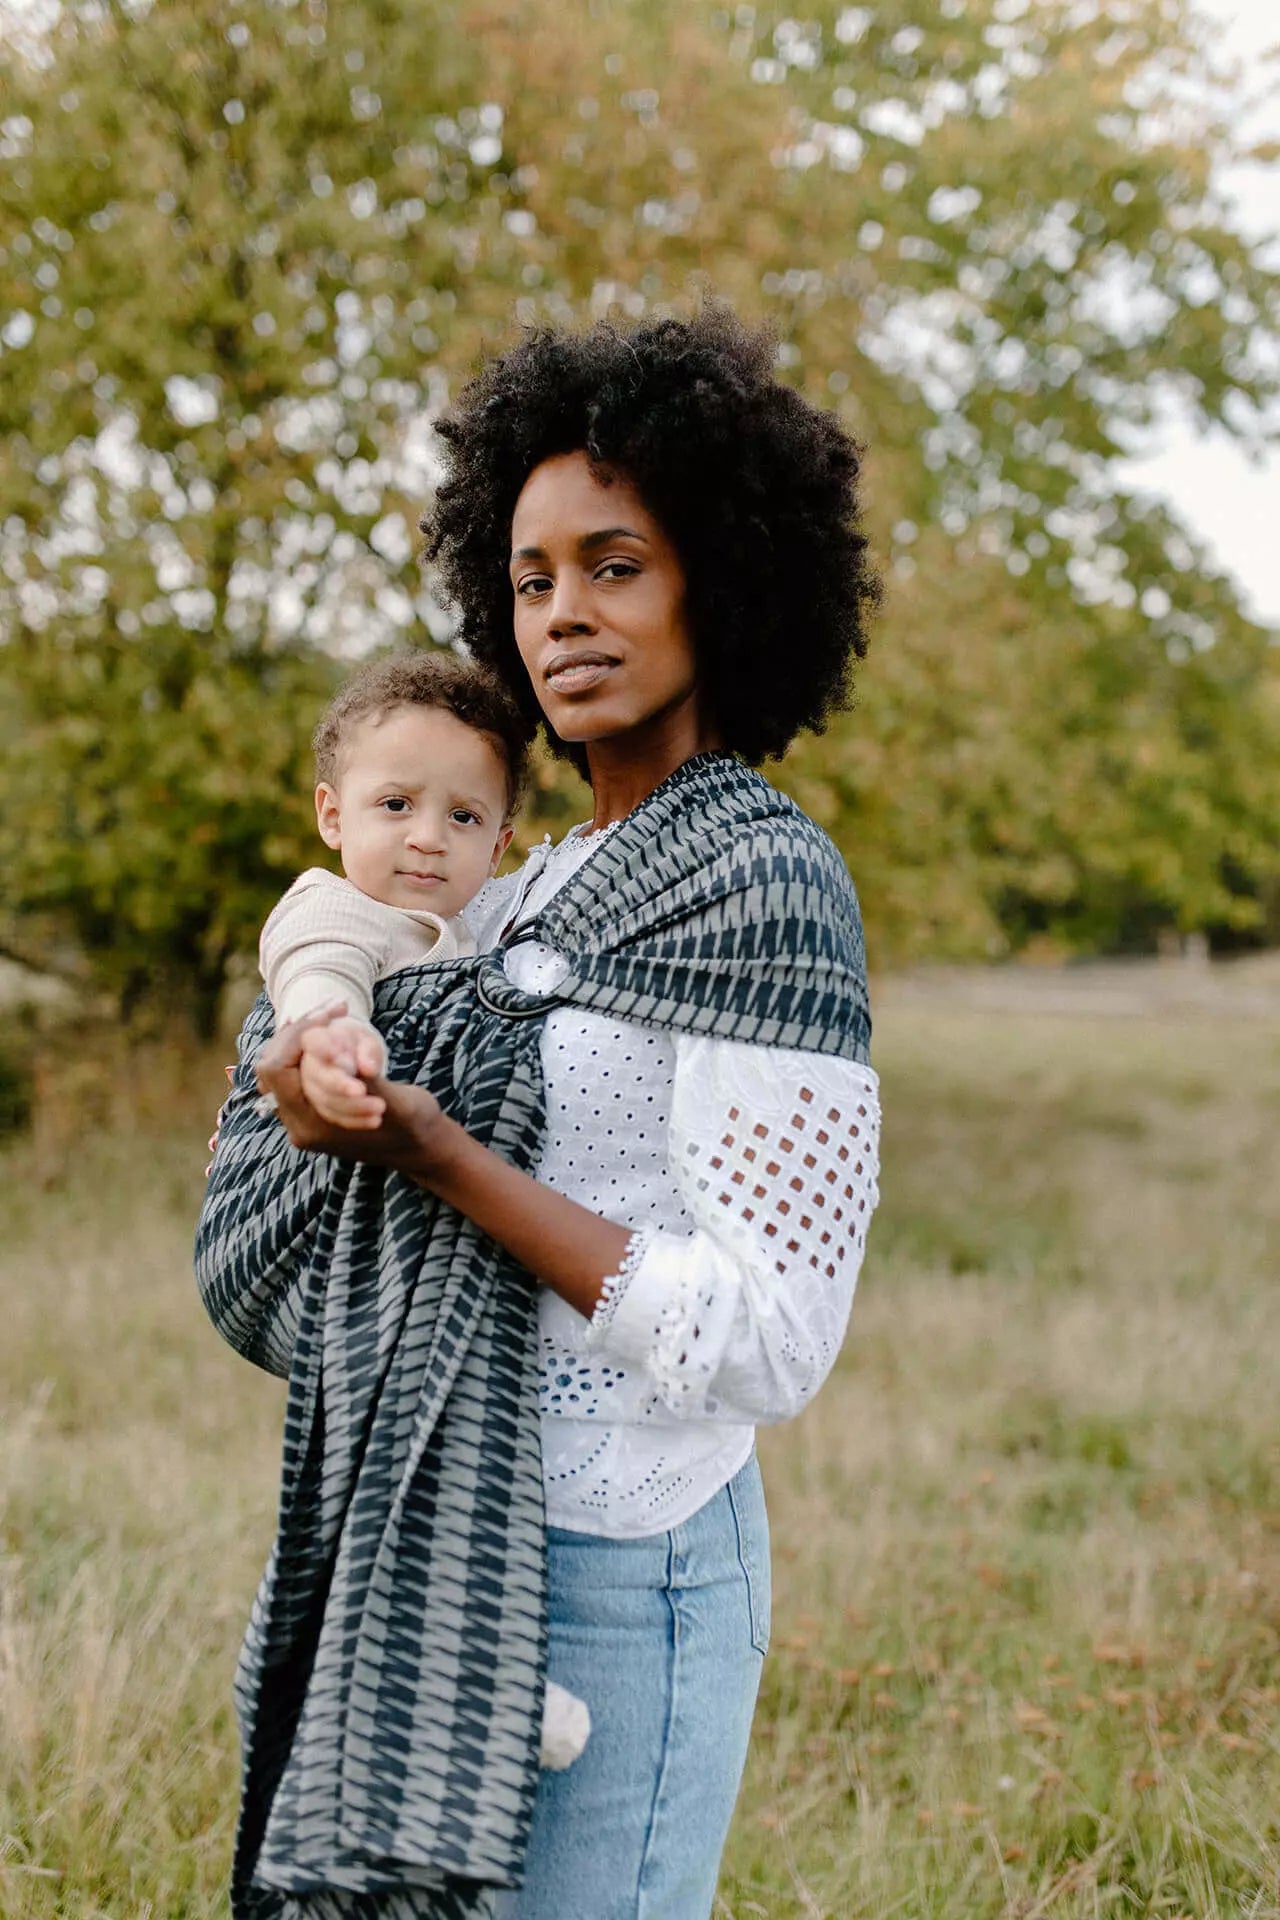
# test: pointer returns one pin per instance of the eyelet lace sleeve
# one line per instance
(776, 1155)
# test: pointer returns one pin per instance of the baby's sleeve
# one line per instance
(323, 943)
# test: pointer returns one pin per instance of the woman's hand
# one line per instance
(405, 1136)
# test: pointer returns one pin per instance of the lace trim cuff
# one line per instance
(615, 1285)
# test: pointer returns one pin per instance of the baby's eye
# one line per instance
(465, 817)
(396, 803)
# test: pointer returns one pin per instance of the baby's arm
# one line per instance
(325, 944)
(324, 941)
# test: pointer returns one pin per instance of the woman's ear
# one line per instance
(328, 816)
(500, 846)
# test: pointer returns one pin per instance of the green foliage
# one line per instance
(229, 279)
(246, 248)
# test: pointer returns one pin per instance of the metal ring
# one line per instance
(544, 1006)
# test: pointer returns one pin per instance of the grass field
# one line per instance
(1027, 1542)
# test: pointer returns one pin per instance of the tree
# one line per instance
(232, 238)
(245, 248)
(991, 234)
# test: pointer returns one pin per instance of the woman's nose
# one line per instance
(570, 610)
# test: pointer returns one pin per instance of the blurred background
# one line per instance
(248, 250)
(1026, 1659)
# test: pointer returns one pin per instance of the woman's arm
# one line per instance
(568, 1247)
(776, 1154)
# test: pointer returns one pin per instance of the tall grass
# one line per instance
(1027, 1542)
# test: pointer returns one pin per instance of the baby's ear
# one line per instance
(328, 817)
(500, 846)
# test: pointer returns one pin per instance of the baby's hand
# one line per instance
(336, 1062)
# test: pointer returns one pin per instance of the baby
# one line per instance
(420, 762)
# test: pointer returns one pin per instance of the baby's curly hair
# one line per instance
(429, 677)
(756, 489)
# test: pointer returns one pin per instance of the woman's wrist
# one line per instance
(440, 1152)
(564, 1245)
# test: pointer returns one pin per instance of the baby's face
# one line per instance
(417, 809)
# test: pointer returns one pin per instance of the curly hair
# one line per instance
(433, 677)
(755, 488)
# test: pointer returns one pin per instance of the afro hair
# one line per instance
(756, 489)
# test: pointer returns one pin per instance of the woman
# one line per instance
(654, 543)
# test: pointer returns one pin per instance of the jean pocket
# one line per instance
(746, 1498)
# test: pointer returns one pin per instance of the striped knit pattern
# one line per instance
(390, 1684)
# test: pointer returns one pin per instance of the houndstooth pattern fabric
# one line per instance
(389, 1688)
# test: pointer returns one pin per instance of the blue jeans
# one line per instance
(664, 1638)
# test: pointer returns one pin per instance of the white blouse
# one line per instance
(748, 1174)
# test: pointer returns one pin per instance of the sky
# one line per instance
(1232, 504)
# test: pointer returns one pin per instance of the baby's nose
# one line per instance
(424, 831)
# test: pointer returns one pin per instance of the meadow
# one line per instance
(1026, 1656)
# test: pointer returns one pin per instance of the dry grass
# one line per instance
(1027, 1542)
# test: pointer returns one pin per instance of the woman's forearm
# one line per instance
(569, 1248)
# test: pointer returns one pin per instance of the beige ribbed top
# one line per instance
(325, 940)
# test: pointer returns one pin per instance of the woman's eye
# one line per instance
(617, 570)
(532, 584)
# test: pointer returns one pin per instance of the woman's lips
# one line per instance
(577, 672)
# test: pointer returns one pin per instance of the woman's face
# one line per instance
(600, 617)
